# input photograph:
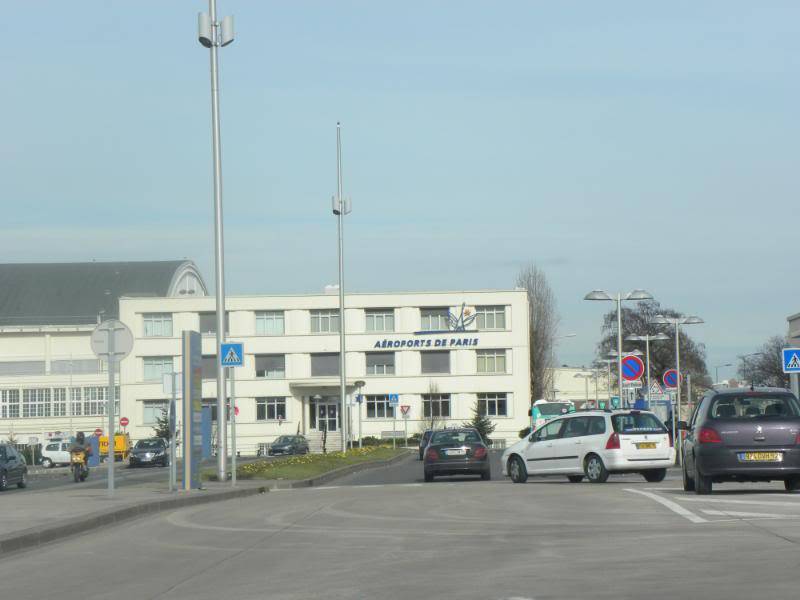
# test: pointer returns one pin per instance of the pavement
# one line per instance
(384, 533)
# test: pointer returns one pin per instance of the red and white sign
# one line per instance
(236, 411)
(98, 432)
(405, 408)
(124, 421)
(632, 368)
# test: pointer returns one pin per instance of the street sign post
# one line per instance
(632, 368)
(791, 360)
(231, 356)
(394, 400)
(111, 341)
(124, 422)
(670, 379)
(171, 384)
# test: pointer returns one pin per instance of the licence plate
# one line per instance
(761, 456)
(456, 452)
(646, 445)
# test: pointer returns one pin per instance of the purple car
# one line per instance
(742, 435)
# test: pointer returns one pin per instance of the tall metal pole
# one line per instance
(342, 358)
(678, 395)
(619, 347)
(647, 353)
(219, 257)
(173, 418)
(586, 390)
(112, 361)
(233, 425)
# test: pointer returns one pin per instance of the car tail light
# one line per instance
(797, 439)
(613, 442)
(431, 454)
(480, 452)
(706, 435)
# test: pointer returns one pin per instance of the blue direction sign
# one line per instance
(231, 354)
(394, 399)
(791, 360)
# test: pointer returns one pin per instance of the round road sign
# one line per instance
(98, 432)
(124, 421)
(632, 368)
(670, 378)
(108, 333)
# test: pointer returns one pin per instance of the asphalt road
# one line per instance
(386, 534)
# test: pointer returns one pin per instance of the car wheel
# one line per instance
(47, 463)
(517, 470)
(654, 475)
(702, 484)
(596, 471)
(428, 477)
(486, 475)
(688, 482)
(23, 483)
(575, 478)
(792, 484)
(3, 481)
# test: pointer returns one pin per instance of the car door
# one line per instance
(687, 446)
(539, 454)
(63, 454)
(568, 449)
(14, 465)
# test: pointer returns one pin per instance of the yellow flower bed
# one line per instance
(310, 465)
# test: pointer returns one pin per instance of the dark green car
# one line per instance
(456, 452)
(288, 444)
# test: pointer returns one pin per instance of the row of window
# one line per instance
(31, 368)
(54, 402)
(378, 320)
(326, 364)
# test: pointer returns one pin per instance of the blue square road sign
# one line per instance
(231, 354)
(791, 360)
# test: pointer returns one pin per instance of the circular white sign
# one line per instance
(112, 331)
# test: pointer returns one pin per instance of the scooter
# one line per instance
(80, 470)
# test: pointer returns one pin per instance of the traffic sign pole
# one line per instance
(173, 473)
(232, 377)
(111, 366)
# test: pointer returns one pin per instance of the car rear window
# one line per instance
(455, 437)
(633, 423)
(748, 406)
(551, 409)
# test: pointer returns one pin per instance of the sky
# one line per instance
(618, 145)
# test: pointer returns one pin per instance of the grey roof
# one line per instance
(75, 293)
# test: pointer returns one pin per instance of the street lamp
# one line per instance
(716, 371)
(213, 35)
(634, 295)
(586, 377)
(341, 207)
(677, 322)
(646, 339)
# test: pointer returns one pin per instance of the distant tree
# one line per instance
(161, 428)
(766, 368)
(638, 319)
(431, 421)
(480, 422)
(543, 325)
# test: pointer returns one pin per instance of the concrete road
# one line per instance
(379, 535)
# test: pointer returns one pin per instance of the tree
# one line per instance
(431, 421)
(543, 324)
(161, 428)
(638, 319)
(481, 422)
(766, 367)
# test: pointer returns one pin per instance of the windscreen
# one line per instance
(633, 423)
(753, 407)
(455, 437)
(284, 439)
(552, 409)
(148, 444)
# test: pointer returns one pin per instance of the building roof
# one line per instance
(36, 294)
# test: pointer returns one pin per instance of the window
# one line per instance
(746, 407)
(435, 405)
(380, 319)
(76, 405)
(576, 427)
(22, 367)
(210, 367)
(95, 400)
(152, 410)
(493, 405)
(156, 366)
(157, 324)
(597, 425)
(491, 317)
(323, 365)
(87, 366)
(378, 407)
(491, 361)
(270, 322)
(636, 423)
(36, 402)
(270, 409)
(325, 321)
(550, 431)
(59, 402)
(435, 319)
(380, 363)
(437, 361)
(271, 366)
(9, 404)
(208, 323)
(212, 404)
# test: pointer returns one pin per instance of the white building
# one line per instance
(576, 384)
(442, 353)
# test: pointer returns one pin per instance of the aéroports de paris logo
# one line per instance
(457, 323)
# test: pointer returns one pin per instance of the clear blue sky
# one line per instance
(618, 144)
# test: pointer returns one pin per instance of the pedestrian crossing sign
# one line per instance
(232, 354)
(791, 360)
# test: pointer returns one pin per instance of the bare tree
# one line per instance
(544, 321)
(431, 421)
(766, 368)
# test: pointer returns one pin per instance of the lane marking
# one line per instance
(745, 515)
(676, 508)
(726, 501)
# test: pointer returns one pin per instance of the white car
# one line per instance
(56, 452)
(593, 444)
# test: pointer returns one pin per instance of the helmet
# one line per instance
(80, 437)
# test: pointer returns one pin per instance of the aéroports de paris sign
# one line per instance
(448, 337)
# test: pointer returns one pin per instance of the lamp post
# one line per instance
(677, 322)
(646, 339)
(213, 35)
(586, 377)
(716, 371)
(634, 295)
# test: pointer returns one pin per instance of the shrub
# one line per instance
(524, 432)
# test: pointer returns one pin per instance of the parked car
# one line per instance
(12, 468)
(288, 444)
(593, 444)
(151, 451)
(742, 435)
(423, 441)
(56, 452)
(456, 452)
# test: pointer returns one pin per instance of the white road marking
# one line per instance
(744, 515)
(726, 501)
(676, 508)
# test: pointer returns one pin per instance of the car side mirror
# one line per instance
(683, 426)
(531, 439)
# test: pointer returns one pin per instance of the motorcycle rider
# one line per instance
(81, 446)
